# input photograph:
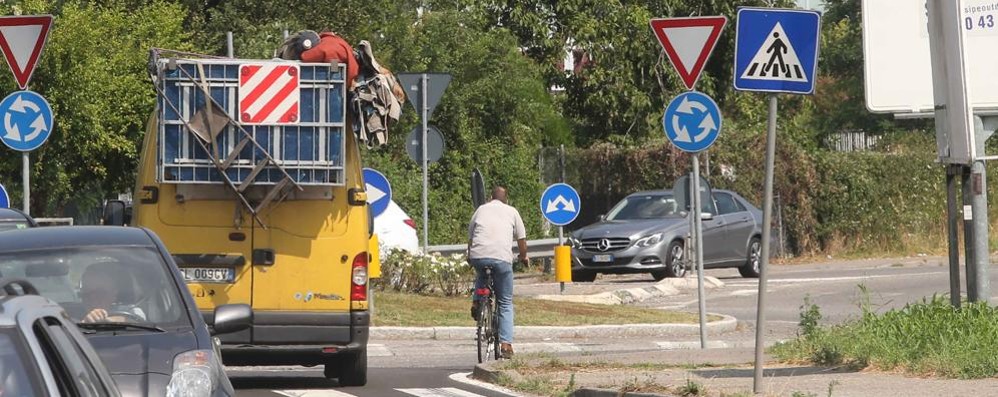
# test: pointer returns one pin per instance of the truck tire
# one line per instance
(350, 371)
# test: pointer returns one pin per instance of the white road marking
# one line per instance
(441, 392)
(547, 347)
(312, 393)
(465, 377)
(378, 350)
(691, 345)
(830, 279)
(744, 292)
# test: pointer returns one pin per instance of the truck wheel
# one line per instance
(351, 371)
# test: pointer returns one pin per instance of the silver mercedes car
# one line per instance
(646, 232)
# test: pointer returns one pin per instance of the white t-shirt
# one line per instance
(493, 229)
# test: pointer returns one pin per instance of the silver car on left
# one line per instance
(647, 232)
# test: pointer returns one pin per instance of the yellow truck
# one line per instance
(251, 175)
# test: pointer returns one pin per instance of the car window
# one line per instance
(651, 206)
(128, 284)
(15, 364)
(727, 204)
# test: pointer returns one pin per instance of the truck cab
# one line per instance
(259, 209)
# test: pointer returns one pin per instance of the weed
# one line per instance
(691, 389)
(803, 394)
(831, 387)
(809, 316)
(925, 338)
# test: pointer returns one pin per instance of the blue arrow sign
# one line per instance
(776, 50)
(692, 122)
(4, 198)
(379, 191)
(560, 204)
(27, 120)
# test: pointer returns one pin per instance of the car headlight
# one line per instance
(574, 242)
(649, 241)
(194, 374)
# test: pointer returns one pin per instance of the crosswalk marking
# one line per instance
(439, 392)
(312, 393)
(547, 347)
(378, 350)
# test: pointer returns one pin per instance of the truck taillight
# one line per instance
(358, 286)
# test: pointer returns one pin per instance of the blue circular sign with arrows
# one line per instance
(27, 120)
(4, 198)
(379, 191)
(560, 204)
(692, 122)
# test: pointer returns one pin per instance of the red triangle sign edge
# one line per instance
(689, 77)
(24, 76)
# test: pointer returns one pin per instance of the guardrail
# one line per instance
(543, 248)
(54, 221)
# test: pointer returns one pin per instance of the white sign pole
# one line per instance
(426, 178)
(26, 180)
(698, 243)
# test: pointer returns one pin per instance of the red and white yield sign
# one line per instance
(269, 93)
(22, 39)
(689, 42)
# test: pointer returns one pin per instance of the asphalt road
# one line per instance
(429, 368)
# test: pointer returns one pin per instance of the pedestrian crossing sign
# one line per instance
(776, 50)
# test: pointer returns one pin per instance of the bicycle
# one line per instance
(487, 332)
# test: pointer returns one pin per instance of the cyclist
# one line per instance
(491, 232)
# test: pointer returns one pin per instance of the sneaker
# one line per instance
(506, 350)
(474, 310)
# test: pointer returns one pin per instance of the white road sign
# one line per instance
(896, 53)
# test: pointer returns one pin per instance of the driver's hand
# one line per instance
(95, 316)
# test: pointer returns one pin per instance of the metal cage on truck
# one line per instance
(202, 141)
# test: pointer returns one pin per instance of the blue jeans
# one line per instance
(502, 276)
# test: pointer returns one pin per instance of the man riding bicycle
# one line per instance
(491, 232)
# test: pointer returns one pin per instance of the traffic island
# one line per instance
(418, 317)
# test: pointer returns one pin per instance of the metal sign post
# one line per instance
(26, 180)
(424, 91)
(698, 243)
(692, 120)
(776, 51)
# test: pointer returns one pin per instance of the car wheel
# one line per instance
(583, 276)
(675, 262)
(751, 267)
(351, 372)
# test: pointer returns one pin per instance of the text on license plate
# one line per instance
(209, 275)
(602, 258)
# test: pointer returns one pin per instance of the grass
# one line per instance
(396, 309)
(929, 338)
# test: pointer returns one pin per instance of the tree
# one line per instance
(93, 73)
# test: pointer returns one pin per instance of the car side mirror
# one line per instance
(232, 318)
(114, 213)
(706, 216)
(602, 217)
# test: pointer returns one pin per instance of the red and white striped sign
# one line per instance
(269, 93)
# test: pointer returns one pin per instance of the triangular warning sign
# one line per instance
(776, 59)
(688, 42)
(22, 39)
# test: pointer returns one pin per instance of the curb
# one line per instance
(667, 287)
(726, 324)
(586, 392)
(489, 375)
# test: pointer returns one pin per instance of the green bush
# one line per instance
(926, 338)
(402, 271)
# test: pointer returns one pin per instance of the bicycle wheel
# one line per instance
(496, 353)
(485, 334)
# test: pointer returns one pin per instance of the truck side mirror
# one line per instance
(114, 213)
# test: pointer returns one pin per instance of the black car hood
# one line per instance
(141, 363)
(634, 228)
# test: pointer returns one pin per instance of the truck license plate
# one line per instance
(207, 275)
(603, 258)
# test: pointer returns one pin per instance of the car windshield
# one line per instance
(649, 206)
(15, 379)
(102, 284)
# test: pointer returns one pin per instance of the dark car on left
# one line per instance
(12, 219)
(121, 287)
(42, 353)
